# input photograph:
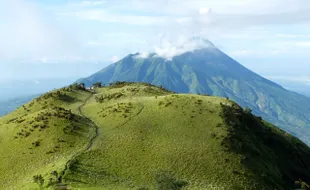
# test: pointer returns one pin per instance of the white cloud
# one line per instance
(199, 17)
(115, 59)
(98, 2)
(292, 36)
(40, 37)
(290, 44)
(233, 13)
(302, 44)
(169, 49)
(142, 55)
(89, 3)
(105, 16)
(178, 7)
(203, 10)
(26, 34)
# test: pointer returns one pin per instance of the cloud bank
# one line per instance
(27, 34)
(93, 30)
(168, 49)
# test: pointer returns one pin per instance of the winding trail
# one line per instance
(62, 185)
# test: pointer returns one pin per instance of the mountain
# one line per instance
(210, 71)
(10, 105)
(139, 136)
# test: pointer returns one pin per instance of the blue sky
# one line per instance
(57, 38)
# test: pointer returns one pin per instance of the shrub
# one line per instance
(27, 133)
(73, 165)
(54, 178)
(199, 102)
(143, 188)
(97, 84)
(36, 143)
(213, 135)
(165, 181)
(247, 110)
(38, 179)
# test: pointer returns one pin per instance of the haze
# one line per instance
(70, 39)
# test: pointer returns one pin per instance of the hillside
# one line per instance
(210, 71)
(138, 136)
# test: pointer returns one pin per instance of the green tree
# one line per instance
(38, 179)
(82, 86)
(55, 174)
(97, 84)
(54, 179)
(247, 110)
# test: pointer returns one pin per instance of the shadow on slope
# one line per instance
(274, 156)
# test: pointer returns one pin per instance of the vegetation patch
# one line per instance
(262, 147)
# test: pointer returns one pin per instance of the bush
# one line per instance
(36, 143)
(76, 86)
(38, 179)
(213, 135)
(97, 84)
(101, 98)
(143, 188)
(165, 181)
(247, 110)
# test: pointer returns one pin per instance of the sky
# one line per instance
(72, 39)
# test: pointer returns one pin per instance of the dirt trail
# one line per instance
(61, 185)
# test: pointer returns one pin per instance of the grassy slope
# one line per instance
(148, 137)
(40, 121)
(184, 137)
(213, 72)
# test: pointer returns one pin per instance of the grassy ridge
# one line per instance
(182, 137)
(147, 138)
(210, 71)
(40, 137)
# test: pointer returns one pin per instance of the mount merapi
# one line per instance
(210, 71)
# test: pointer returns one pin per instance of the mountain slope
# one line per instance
(210, 71)
(41, 136)
(146, 138)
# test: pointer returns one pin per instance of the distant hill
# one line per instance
(10, 105)
(16, 88)
(15, 93)
(139, 136)
(210, 71)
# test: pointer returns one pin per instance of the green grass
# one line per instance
(147, 138)
(38, 138)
